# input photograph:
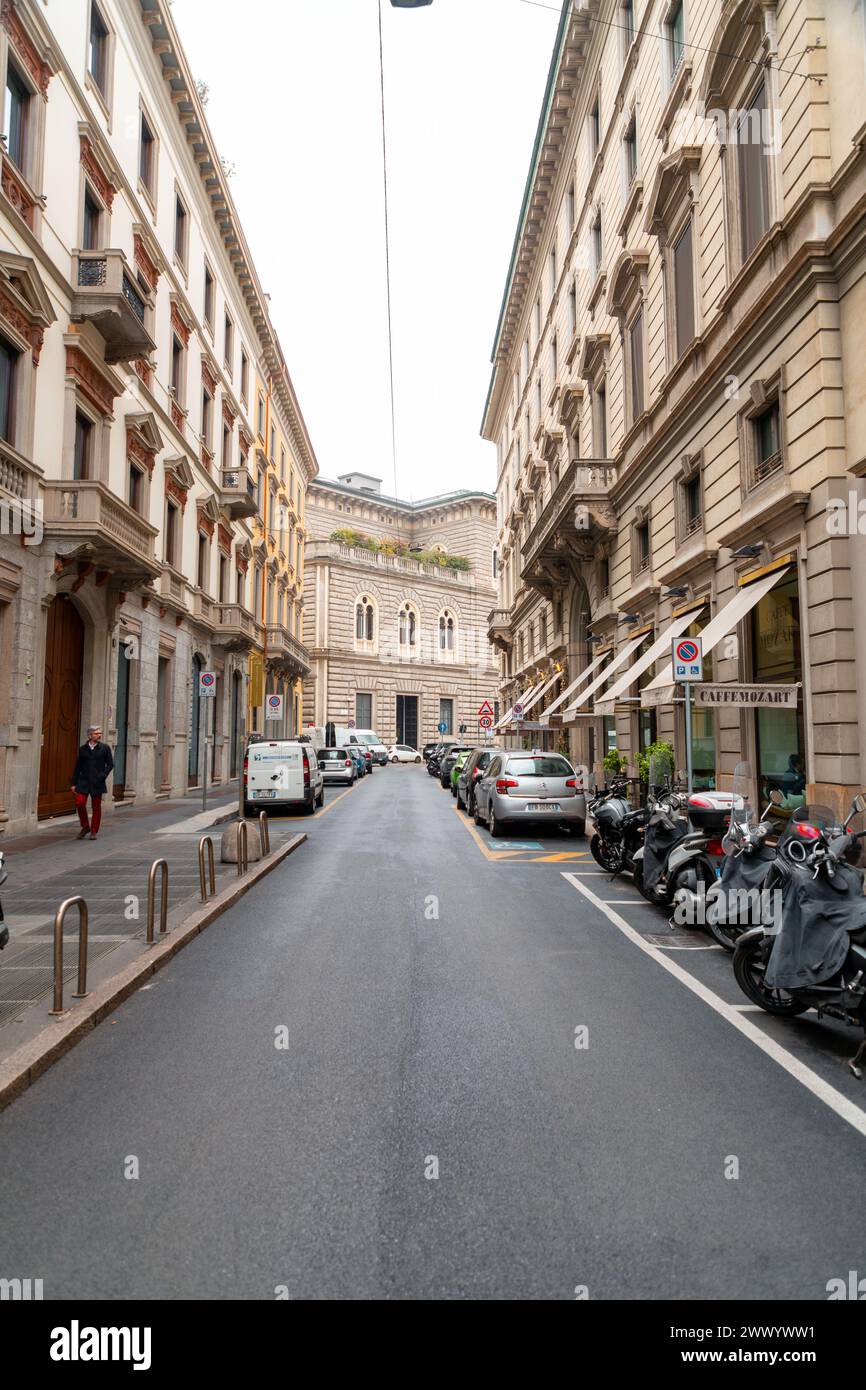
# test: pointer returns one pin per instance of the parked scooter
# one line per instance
(4, 930)
(738, 899)
(814, 957)
(619, 828)
(665, 826)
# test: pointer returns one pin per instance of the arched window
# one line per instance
(407, 626)
(446, 632)
(365, 619)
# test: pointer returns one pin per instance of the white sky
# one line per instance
(294, 104)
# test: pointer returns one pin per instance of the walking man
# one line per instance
(88, 780)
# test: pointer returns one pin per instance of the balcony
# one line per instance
(105, 530)
(499, 629)
(172, 589)
(286, 651)
(237, 629)
(238, 493)
(377, 560)
(576, 516)
(108, 295)
(18, 476)
(204, 611)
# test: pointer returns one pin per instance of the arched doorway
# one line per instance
(61, 706)
(194, 722)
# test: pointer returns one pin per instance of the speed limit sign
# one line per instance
(486, 721)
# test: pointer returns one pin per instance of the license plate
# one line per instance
(535, 806)
(268, 795)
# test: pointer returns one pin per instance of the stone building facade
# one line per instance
(133, 331)
(398, 643)
(677, 396)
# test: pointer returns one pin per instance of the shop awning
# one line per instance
(506, 718)
(619, 660)
(660, 691)
(537, 693)
(658, 649)
(569, 690)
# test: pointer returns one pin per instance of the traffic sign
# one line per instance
(486, 708)
(486, 721)
(207, 684)
(688, 659)
(443, 727)
(274, 707)
(517, 711)
(352, 724)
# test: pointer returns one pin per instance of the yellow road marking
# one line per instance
(521, 856)
(323, 810)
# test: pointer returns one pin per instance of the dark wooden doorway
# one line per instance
(61, 707)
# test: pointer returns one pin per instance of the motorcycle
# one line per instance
(4, 930)
(737, 900)
(814, 954)
(665, 827)
(619, 828)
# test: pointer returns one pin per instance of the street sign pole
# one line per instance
(204, 773)
(687, 659)
(689, 736)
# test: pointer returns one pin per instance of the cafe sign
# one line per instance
(745, 696)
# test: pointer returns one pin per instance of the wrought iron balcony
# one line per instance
(285, 650)
(110, 534)
(576, 515)
(238, 493)
(108, 295)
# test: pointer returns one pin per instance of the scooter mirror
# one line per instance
(859, 804)
(776, 797)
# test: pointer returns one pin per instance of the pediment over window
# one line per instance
(675, 183)
(689, 466)
(179, 471)
(207, 510)
(736, 45)
(627, 281)
(593, 355)
(244, 552)
(143, 439)
(24, 302)
(569, 409)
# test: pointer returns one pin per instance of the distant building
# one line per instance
(397, 635)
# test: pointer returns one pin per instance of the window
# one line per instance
(227, 447)
(135, 491)
(572, 309)
(553, 264)
(675, 33)
(229, 343)
(596, 244)
(537, 321)
(446, 632)
(17, 116)
(90, 227)
(595, 128)
(146, 155)
(202, 565)
(177, 373)
(8, 373)
(82, 453)
(240, 588)
(693, 514)
(626, 20)
(260, 423)
(171, 534)
(245, 375)
(446, 714)
(554, 357)
(407, 627)
(604, 576)
(635, 348)
(630, 150)
(642, 542)
(272, 452)
(180, 229)
(768, 452)
(223, 590)
(206, 416)
(282, 464)
(570, 209)
(363, 709)
(365, 619)
(538, 400)
(97, 58)
(684, 289)
(752, 172)
(600, 422)
(208, 296)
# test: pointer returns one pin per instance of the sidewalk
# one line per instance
(111, 874)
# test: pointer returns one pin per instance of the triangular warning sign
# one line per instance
(486, 708)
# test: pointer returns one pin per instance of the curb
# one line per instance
(21, 1068)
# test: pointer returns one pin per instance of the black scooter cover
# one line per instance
(817, 916)
(743, 873)
(662, 833)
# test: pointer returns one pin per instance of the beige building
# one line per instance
(396, 597)
(133, 330)
(678, 397)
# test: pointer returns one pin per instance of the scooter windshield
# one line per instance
(661, 771)
(808, 823)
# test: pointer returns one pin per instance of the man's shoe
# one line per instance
(82, 833)
(93, 837)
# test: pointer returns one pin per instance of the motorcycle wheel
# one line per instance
(603, 855)
(750, 962)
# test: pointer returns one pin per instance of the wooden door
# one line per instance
(61, 707)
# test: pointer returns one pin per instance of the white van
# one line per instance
(372, 741)
(281, 773)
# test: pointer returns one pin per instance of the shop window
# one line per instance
(776, 657)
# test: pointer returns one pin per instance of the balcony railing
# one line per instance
(584, 481)
(378, 560)
(108, 297)
(237, 628)
(499, 631)
(117, 538)
(18, 476)
(284, 647)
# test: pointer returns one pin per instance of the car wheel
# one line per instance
(320, 799)
(493, 825)
(453, 790)
(418, 759)
(394, 758)
(476, 814)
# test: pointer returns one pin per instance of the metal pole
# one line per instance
(206, 841)
(689, 736)
(204, 772)
(151, 898)
(59, 917)
(243, 853)
(264, 833)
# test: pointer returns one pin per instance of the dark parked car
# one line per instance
(356, 753)
(429, 748)
(474, 768)
(446, 763)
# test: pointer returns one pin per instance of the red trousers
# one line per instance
(96, 813)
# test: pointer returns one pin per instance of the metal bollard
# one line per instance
(264, 833)
(163, 899)
(206, 841)
(58, 952)
(243, 850)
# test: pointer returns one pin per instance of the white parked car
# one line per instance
(279, 773)
(402, 753)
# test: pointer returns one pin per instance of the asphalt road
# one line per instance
(431, 986)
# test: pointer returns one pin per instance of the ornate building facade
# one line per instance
(677, 396)
(397, 596)
(134, 334)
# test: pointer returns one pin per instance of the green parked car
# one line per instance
(457, 768)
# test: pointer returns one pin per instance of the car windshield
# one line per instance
(539, 767)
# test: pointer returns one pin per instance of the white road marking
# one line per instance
(660, 947)
(822, 1090)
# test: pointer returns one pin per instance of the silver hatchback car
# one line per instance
(336, 765)
(518, 788)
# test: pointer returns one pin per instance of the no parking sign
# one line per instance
(688, 659)
(274, 707)
(207, 684)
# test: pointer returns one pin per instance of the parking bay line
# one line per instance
(512, 856)
(822, 1090)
